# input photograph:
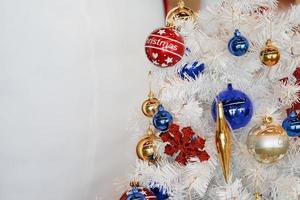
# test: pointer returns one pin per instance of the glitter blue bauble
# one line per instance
(159, 191)
(238, 108)
(191, 70)
(291, 125)
(238, 44)
(162, 119)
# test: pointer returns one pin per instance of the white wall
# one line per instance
(71, 74)
(121, 68)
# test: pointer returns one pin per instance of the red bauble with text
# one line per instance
(138, 193)
(164, 47)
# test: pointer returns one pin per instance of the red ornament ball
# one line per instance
(138, 193)
(164, 47)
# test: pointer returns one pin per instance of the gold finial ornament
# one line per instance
(146, 148)
(223, 140)
(269, 55)
(267, 142)
(181, 13)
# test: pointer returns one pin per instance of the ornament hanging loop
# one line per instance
(180, 4)
(270, 28)
(257, 195)
(239, 20)
(232, 17)
(150, 93)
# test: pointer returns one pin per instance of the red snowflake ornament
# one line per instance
(296, 105)
(185, 144)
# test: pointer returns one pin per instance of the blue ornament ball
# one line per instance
(138, 193)
(238, 45)
(162, 119)
(291, 124)
(238, 108)
(191, 70)
(159, 191)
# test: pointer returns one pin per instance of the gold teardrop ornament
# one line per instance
(223, 141)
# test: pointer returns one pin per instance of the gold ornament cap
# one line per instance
(181, 13)
(134, 183)
(267, 120)
(269, 55)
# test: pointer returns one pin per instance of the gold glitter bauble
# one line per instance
(149, 107)
(270, 54)
(180, 13)
(146, 148)
(267, 142)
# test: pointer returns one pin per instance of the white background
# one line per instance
(71, 74)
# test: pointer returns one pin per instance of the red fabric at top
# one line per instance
(166, 6)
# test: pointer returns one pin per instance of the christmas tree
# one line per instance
(221, 117)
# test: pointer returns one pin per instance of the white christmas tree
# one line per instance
(189, 100)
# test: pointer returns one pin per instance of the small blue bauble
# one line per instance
(135, 194)
(238, 109)
(238, 44)
(291, 125)
(162, 119)
(159, 191)
(191, 70)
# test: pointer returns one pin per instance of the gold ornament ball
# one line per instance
(149, 107)
(146, 148)
(181, 13)
(270, 54)
(267, 142)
